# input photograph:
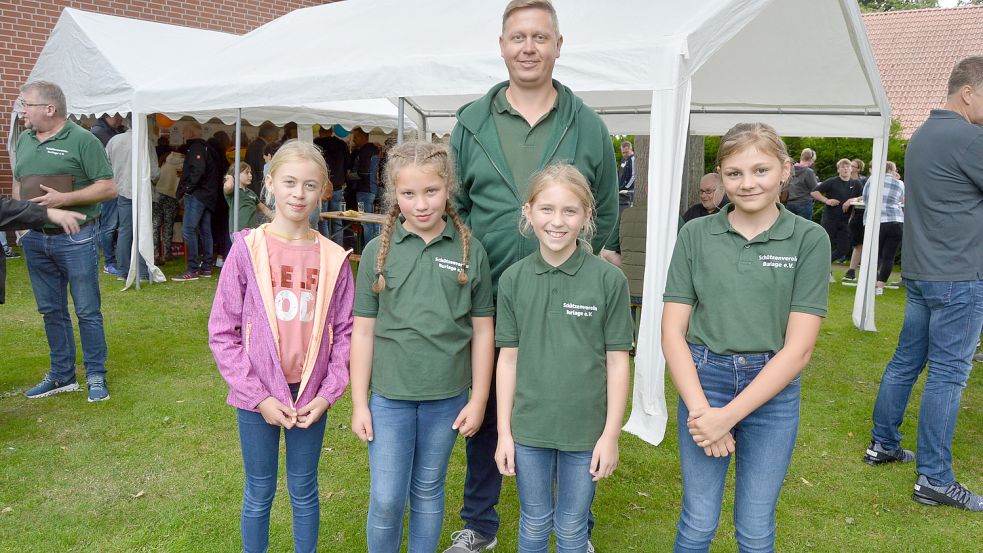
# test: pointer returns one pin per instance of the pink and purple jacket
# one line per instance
(243, 332)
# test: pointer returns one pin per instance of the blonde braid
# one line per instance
(465, 233)
(385, 239)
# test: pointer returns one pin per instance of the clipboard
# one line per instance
(30, 185)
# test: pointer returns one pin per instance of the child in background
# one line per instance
(280, 331)
(424, 335)
(565, 329)
(744, 300)
(252, 212)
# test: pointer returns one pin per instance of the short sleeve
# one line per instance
(482, 299)
(366, 301)
(679, 281)
(619, 330)
(506, 328)
(94, 159)
(810, 290)
(824, 186)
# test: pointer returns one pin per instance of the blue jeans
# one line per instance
(124, 243)
(260, 443)
(335, 227)
(367, 199)
(324, 225)
(802, 209)
(58, 264)
(764, 443)
(408, 459)
(108, 226)
(942, 323)
(197, 221)
(555, 493)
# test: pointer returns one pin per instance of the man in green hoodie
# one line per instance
(499, 142)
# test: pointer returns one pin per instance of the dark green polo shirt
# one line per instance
(524, 146)
(564, 320)
(73, 151)
(743, 291)
(422, 346)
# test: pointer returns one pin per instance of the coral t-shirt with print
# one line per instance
(294, 269)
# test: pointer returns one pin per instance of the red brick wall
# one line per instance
(26, 24)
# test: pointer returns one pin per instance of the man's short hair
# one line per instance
(968, 71)
(48, 93)
(891, 167)
(626, 143)
(843, 162)
(808, 154)
(268, 131)
(545, 5)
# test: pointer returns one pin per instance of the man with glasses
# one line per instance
(56, 149)
(712, 198)
(942, 266)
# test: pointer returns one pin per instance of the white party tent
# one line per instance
(101, 61)
(664, 68)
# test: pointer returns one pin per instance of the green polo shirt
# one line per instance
(422, 346)
(524, 146)
(742, 291)
(73, 151)
(564, 320)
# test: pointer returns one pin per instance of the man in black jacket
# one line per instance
(20, 215)
(200, 186)
(104, 129)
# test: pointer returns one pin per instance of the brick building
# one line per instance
(26, 24)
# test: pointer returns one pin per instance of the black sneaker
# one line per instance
(11, 253)
(877, 455)
(953, 495)
(850, 275)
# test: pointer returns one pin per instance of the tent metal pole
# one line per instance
(235, 191)
(401, 119)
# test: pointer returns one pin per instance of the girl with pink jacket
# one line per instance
(280, 331)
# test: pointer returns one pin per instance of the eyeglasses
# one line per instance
(707, 192)
(21, 104)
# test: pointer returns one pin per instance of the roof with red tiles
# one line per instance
(915, 51)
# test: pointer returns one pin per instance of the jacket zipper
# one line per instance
(511, 184)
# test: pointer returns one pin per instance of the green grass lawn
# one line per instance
(157, 468)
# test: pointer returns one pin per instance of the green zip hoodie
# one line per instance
(489, 200)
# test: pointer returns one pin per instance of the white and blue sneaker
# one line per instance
(48, 387)
(98, 391)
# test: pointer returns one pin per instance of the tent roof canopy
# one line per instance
(743, 57)
(100, 61)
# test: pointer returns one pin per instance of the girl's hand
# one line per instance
(708, 424)
(362, 423)
(605, 457)
(505, 455)
(722, 447)
(468, 421)
(312, 412)
(277, 413)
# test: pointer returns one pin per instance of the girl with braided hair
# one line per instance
(423, 335)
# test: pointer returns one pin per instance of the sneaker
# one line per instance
(894, 285)
(879, 291)
(850, 275)
(11, 253)
(877, 455)
(49, 387)
(186, 276)
(590, 547)
(97, 389)
(953, 495)
(206, 273)
(110, 269)
(978, 357)
(469, 541)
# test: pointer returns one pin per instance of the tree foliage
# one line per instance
(893, 5)
(828, 151)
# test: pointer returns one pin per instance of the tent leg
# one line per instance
(401, 120)
(235, 191)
